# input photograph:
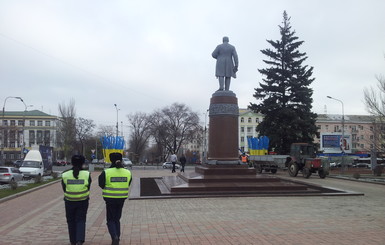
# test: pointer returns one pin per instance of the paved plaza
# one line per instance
(38, 217)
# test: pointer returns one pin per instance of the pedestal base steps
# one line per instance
(236, 180)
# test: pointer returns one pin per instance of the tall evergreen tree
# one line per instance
(284, 93)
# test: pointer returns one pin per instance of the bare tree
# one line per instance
(105, 131)
(84, 129)
(375, 105)
(173, 125)
(67, 128)
(140, 133)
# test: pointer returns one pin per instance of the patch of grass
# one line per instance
(9, 192)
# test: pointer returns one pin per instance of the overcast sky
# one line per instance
(147, 54)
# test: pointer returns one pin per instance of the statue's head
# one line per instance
(225, 39)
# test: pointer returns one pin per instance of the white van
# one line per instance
(32, 165)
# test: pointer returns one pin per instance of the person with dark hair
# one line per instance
(76, 184)
(115, 182)
(182, 161)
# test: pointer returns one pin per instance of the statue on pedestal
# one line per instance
(227, 63)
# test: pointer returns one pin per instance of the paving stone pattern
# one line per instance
(38, 218)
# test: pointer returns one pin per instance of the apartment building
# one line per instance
(248, 122)
(359, 131)
(21, 130)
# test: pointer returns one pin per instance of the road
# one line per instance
(38, 217)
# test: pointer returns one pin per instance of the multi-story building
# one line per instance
(359, 131)
(248, 122)
(21, 130)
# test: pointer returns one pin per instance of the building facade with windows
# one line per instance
(247, 123)
(362, 132)
(22, 130)
(359, 131)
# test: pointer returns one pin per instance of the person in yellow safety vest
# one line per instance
(115, 182)
(76, 184)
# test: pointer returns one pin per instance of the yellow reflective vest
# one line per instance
(117, 183)
(76, 189)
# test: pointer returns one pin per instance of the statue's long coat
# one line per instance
(227, 58)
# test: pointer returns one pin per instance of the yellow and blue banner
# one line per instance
(112, 144)
(258, 146)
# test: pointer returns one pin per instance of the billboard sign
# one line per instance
(333, 143)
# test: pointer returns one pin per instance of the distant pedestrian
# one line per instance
(173, 159)
(76, 184)
(115, 182)
(182, 161)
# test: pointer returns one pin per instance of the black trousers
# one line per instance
(76, 214)
(114, 207)
(173, 167)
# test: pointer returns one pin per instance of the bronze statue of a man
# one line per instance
(227, 63)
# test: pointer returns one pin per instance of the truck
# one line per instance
(268, 163)
(37, 162)
(302, 158)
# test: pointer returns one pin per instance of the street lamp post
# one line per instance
(204, 157)
(343, 132)
(2, 125)
(117, 120)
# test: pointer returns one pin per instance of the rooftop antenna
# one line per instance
(325, 109)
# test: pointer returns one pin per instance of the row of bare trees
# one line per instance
(167, 128)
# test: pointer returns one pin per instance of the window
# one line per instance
(20, 123)
(13, 122)
(5, 122)
(362, 137)
(47, 137)
(249, 129)
(242, 139)
(31, 137)
(256, 130)
(242, 119)
(249, 120)
(39, 137)
(242, 129)
(31, 122)
(371, 137)
(47, 123)
(257, 120)
(39, 123)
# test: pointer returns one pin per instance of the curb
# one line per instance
(357, 180)
(27, 191)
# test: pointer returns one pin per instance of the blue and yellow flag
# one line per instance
(112, 144)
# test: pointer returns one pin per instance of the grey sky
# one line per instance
(144, 55)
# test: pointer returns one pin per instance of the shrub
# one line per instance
(356, 175)
(13, 185)
(55, 175)
(38, 179)
(377, 171)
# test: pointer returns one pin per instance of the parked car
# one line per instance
(61, 163)
(127, 162)
(17, 163)
(361, 165)
(10, 174)
(335, 165)
(169, 165)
